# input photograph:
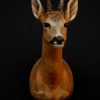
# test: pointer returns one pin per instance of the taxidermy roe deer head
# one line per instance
(51, 77)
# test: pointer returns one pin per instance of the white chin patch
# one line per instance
(56, 45)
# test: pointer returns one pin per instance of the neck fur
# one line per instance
(50, 55)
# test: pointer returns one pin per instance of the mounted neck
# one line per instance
(50, 55)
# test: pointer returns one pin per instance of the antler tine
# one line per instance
(49, 6)
(61, 5)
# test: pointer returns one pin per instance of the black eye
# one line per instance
(65, 25)
(47, 25)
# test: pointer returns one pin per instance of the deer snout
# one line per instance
(57, 41)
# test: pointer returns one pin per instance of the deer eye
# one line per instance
(65, 25)
(47, 25)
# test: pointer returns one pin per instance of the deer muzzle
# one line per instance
(57, 41)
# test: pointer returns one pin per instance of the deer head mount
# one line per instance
(55, 22)
(51, 77)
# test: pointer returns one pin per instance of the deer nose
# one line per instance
(59, 39)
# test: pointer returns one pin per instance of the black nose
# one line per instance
(59, 39)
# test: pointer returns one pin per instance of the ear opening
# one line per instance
(71, 10)
(37, 8)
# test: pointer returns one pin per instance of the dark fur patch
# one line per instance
(55, 4)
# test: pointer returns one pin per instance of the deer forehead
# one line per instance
(55, 20)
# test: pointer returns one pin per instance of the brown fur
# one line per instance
(51, 77)
(55, 17)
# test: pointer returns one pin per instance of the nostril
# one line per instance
(59, 39)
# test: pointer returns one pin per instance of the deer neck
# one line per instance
(51, 56)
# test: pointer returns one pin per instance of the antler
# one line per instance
(49, 6)
(61, 5)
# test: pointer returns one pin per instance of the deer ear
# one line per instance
(37, 8)
(71, 10)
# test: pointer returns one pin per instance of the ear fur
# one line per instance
(37, 8)
(71, 10)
